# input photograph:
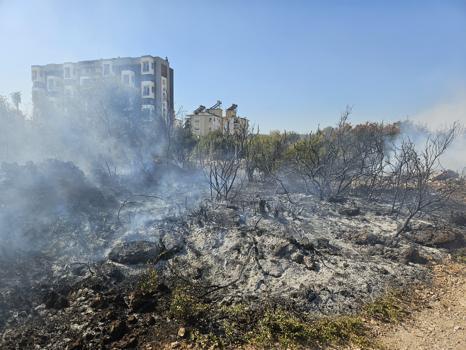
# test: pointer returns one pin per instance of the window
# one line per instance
(127, 78)
(50, 86)
(148, 89)
(34, 75)
(67, 72)
(147, 65)
(106, 68)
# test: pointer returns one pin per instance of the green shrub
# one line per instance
(149, 281)
(186, 307)
(389, 308)
(282, 329)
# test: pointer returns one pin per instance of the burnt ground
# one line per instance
(114, 281)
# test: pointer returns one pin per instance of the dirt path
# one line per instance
(440, 321)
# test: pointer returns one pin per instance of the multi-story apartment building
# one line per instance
(206, 120)
(233, 123)
(150, 76)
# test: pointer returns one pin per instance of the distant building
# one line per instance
(150, 76)
(233, 123)
(206, 120)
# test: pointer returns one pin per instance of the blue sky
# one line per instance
(287, 64)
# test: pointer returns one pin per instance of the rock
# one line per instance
(181, 332)
(411, 255)
(138, 252)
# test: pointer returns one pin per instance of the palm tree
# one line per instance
(16, 99)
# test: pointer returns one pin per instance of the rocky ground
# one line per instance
(129, 291)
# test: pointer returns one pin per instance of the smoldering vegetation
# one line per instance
(119, 229)
(78, 162)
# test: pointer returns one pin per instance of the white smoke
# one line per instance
(442, 115)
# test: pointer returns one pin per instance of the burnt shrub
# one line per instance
(38, 198)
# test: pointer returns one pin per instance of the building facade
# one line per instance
(206, 120)
(150, 76)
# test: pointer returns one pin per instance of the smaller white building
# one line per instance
(206, 120)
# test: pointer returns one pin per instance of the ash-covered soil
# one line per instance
(116, 287)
